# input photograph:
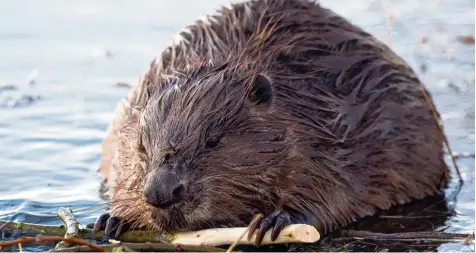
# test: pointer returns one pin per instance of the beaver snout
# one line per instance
(163, 189)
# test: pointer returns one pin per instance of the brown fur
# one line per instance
(348, 131)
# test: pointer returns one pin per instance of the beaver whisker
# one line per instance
(130, 199)
(218, 215)
(134, 189)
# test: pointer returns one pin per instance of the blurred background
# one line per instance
(63, 65)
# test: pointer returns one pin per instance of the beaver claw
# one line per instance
(277, 220)
(113, 226)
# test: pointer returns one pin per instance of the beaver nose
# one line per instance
(163, 190)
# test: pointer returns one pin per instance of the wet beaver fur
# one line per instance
(279, 107)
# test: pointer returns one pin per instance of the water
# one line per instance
(51, 130)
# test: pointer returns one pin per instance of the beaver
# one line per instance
(275, 107)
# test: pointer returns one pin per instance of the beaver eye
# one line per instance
(213, 141)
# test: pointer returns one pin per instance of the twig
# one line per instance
(463, 155)
(71, 224)
(468, 240)
(440, 128)
(380, 240)
(124, 84)
(412, 217)
(443, 229)
(255, 219)
(389, 19)
(2, 225)
(30, 239)
(404, 236)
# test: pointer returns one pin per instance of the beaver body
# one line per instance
(276, 107)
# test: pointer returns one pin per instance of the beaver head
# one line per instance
(212, 148)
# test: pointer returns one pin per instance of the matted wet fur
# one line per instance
(345, 131)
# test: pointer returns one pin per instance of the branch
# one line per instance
(30, 239)
(72, 226)
(145, 247)
(34, 228)
(410, 236)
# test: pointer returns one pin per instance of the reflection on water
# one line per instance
(51, 128)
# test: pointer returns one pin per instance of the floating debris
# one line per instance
(33, 77)
(109, 54)
(124, 84)
(5, 87)
(22, 101)
(466, 39)
(423, 68)
(424, 40)
(463, 155)
(453, 86)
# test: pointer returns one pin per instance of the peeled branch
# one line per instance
(296, 233)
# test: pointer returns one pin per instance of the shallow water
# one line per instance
(51, 130)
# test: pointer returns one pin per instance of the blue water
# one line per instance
(50, 132)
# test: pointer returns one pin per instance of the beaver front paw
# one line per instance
(113, 226)
(277, 220)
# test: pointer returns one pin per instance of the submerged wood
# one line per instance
(406, 235)
(145, 247)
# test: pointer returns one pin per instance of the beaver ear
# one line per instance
(261, 91)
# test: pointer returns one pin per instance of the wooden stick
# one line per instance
(71, 225)
(296, 233)
(408, 235)
(124, 84)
